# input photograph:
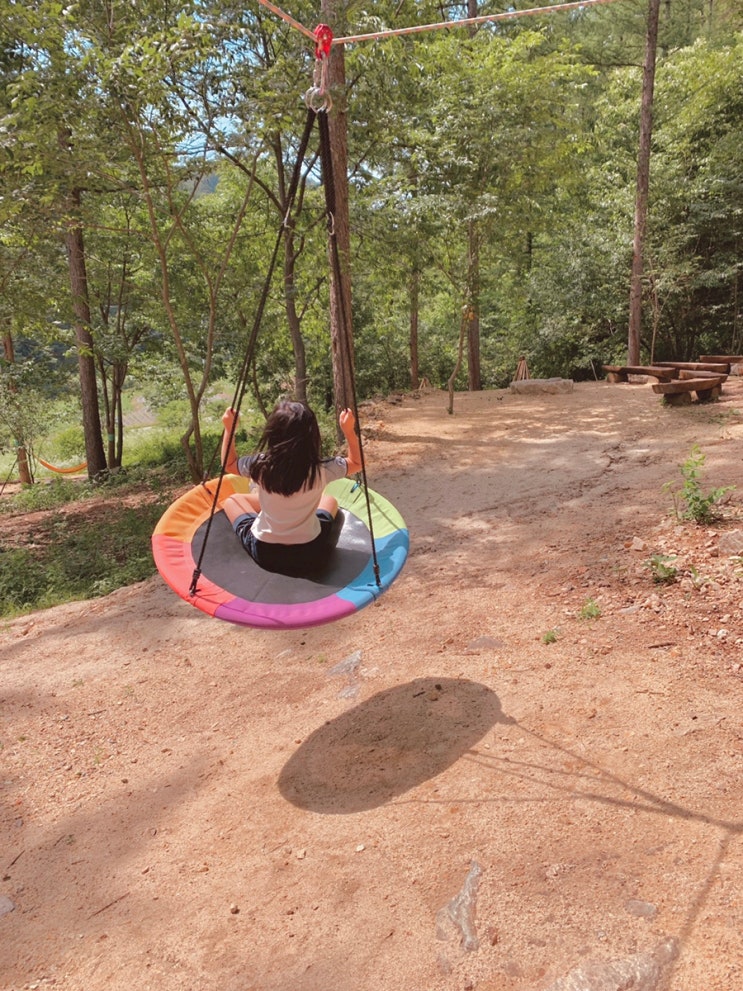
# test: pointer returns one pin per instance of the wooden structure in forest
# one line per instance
(678, 381)
(522, 371)
(621, 373)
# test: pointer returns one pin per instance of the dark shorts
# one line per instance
(289, 559)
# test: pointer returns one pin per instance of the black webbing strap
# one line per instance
(241, 384)
(326, 159)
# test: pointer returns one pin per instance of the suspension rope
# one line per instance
(285, 17)
(326, 159)
(242, 380)
(441, 25)
(468, 21)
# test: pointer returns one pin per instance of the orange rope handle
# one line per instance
(64, 471)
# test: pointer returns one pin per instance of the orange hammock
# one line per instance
(64, 471)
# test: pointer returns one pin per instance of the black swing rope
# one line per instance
(326, 159)
(242, 380)
(241, 384)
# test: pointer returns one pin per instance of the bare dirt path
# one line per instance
(521, 770)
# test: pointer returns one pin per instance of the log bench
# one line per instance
(678, 392)
(685, 373)
(720, 367)
(735, 361)
(621, 373)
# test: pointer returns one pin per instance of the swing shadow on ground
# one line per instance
(594, 785)
(388, 744)
(401, 737)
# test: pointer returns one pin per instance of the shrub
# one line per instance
(700, 507)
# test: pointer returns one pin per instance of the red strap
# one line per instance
(324, 38)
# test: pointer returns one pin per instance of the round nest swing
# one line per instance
(232, 587)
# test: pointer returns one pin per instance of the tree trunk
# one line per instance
(414, 289)
(94, 453)
(474, 376)
(458, 364)
(341, 323)
(643, 184)
(24, 469)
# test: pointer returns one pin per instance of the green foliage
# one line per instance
(69, 443)
(590, 610)
(550, 637)
(696, 212)
(518, 142)
(662, 568)
(23, 581)
(697, 505)
(57, 492)
(21, 413)
(153, 451)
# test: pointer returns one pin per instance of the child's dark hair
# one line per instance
(290, 449)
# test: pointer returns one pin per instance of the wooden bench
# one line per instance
(621, 373)
(734, 361)
(685, 373)
(678, 392)
(720, 367)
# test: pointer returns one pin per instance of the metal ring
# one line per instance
(318, 100)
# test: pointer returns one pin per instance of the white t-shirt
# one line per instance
(291, 519)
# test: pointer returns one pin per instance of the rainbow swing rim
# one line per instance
(172, 549)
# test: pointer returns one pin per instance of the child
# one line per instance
(285, 525)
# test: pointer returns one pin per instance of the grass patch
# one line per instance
(50, 495)
(590, 610)
(78, 554)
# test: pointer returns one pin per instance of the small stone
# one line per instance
(360, 848)
(485, 643)
(234, 910)
(551, 386)
(6, 905)
(731, 543)
(643, 910)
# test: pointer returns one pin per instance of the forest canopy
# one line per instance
(146, 154)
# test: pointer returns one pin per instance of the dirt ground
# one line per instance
(520, 770)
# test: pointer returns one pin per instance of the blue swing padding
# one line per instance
(233, 587)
